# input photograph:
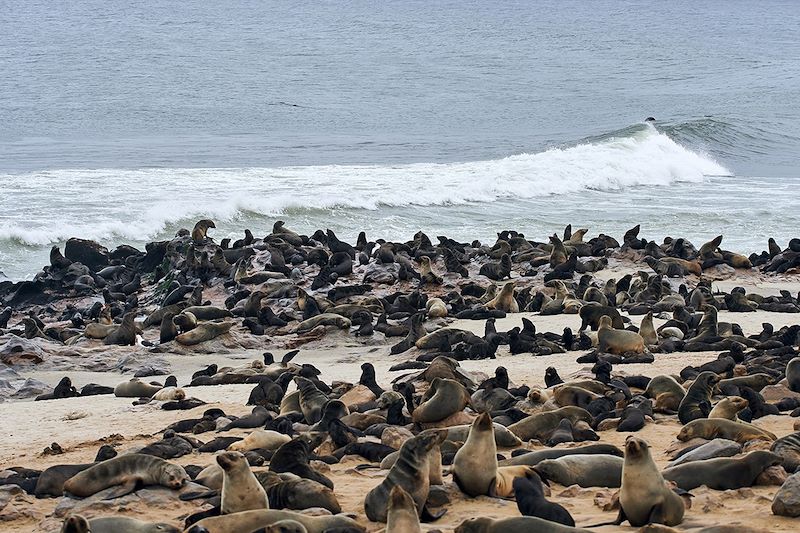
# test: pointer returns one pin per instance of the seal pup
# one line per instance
(402, 516)
(125, 472)
(241, 491)
(728, 408)
(697, 401)
(644, 497)
(529, 493)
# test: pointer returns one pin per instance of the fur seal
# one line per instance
(722, 473)
(200, 231)
(285, 526)
(204, 332)
(505, 301)
(114, 524)
(444, 398)
(648, 331)
(712, 428)
(411, 471)
(168, 394)
(517, 524)
(168, 330)
(260, 439)
(183, 322)
(475, 463)
(540, 425)
(728, 407)
(697, 402)
(533, 458)
(644, 497)
(582, 470)
(126, 472)
(135, 388)
(125, 333)
(529, 493)
(312, 400)
(618, 341)
(667, 393)
(793, 374)
(788, 447)
(402, 516)
(293, 457)
(254, 520)
(241, 491)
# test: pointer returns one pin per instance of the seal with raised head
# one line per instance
(125, 333)
(126, 472)
(697, 401)
(475, 463)
(529, 493)
(644, 497)
(728, 407)
(411, 471)
(241, 491)
(505, 301)
(793, 374)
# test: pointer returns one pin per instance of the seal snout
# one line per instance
(634, 447)
(228, 460)
(483, 422)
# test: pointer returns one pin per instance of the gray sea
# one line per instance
(124, 121)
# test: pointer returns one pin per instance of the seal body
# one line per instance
(644, 497)
(475, 464)
(126, 471)
(411, 471)
(241, 491)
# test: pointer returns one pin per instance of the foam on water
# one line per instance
(110, 204)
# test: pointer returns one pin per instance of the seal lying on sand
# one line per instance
(125, 472)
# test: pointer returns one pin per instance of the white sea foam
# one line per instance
(103, 204)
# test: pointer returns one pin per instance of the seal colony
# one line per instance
(651, 401)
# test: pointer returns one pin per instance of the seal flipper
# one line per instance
(428, 516)
(620, 519)
(123, 489)
(189, 496)
(288, 356)
(196, 517)
(656, 515)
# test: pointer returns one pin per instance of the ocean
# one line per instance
(125, 122)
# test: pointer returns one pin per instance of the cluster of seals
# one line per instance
(436, 423)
